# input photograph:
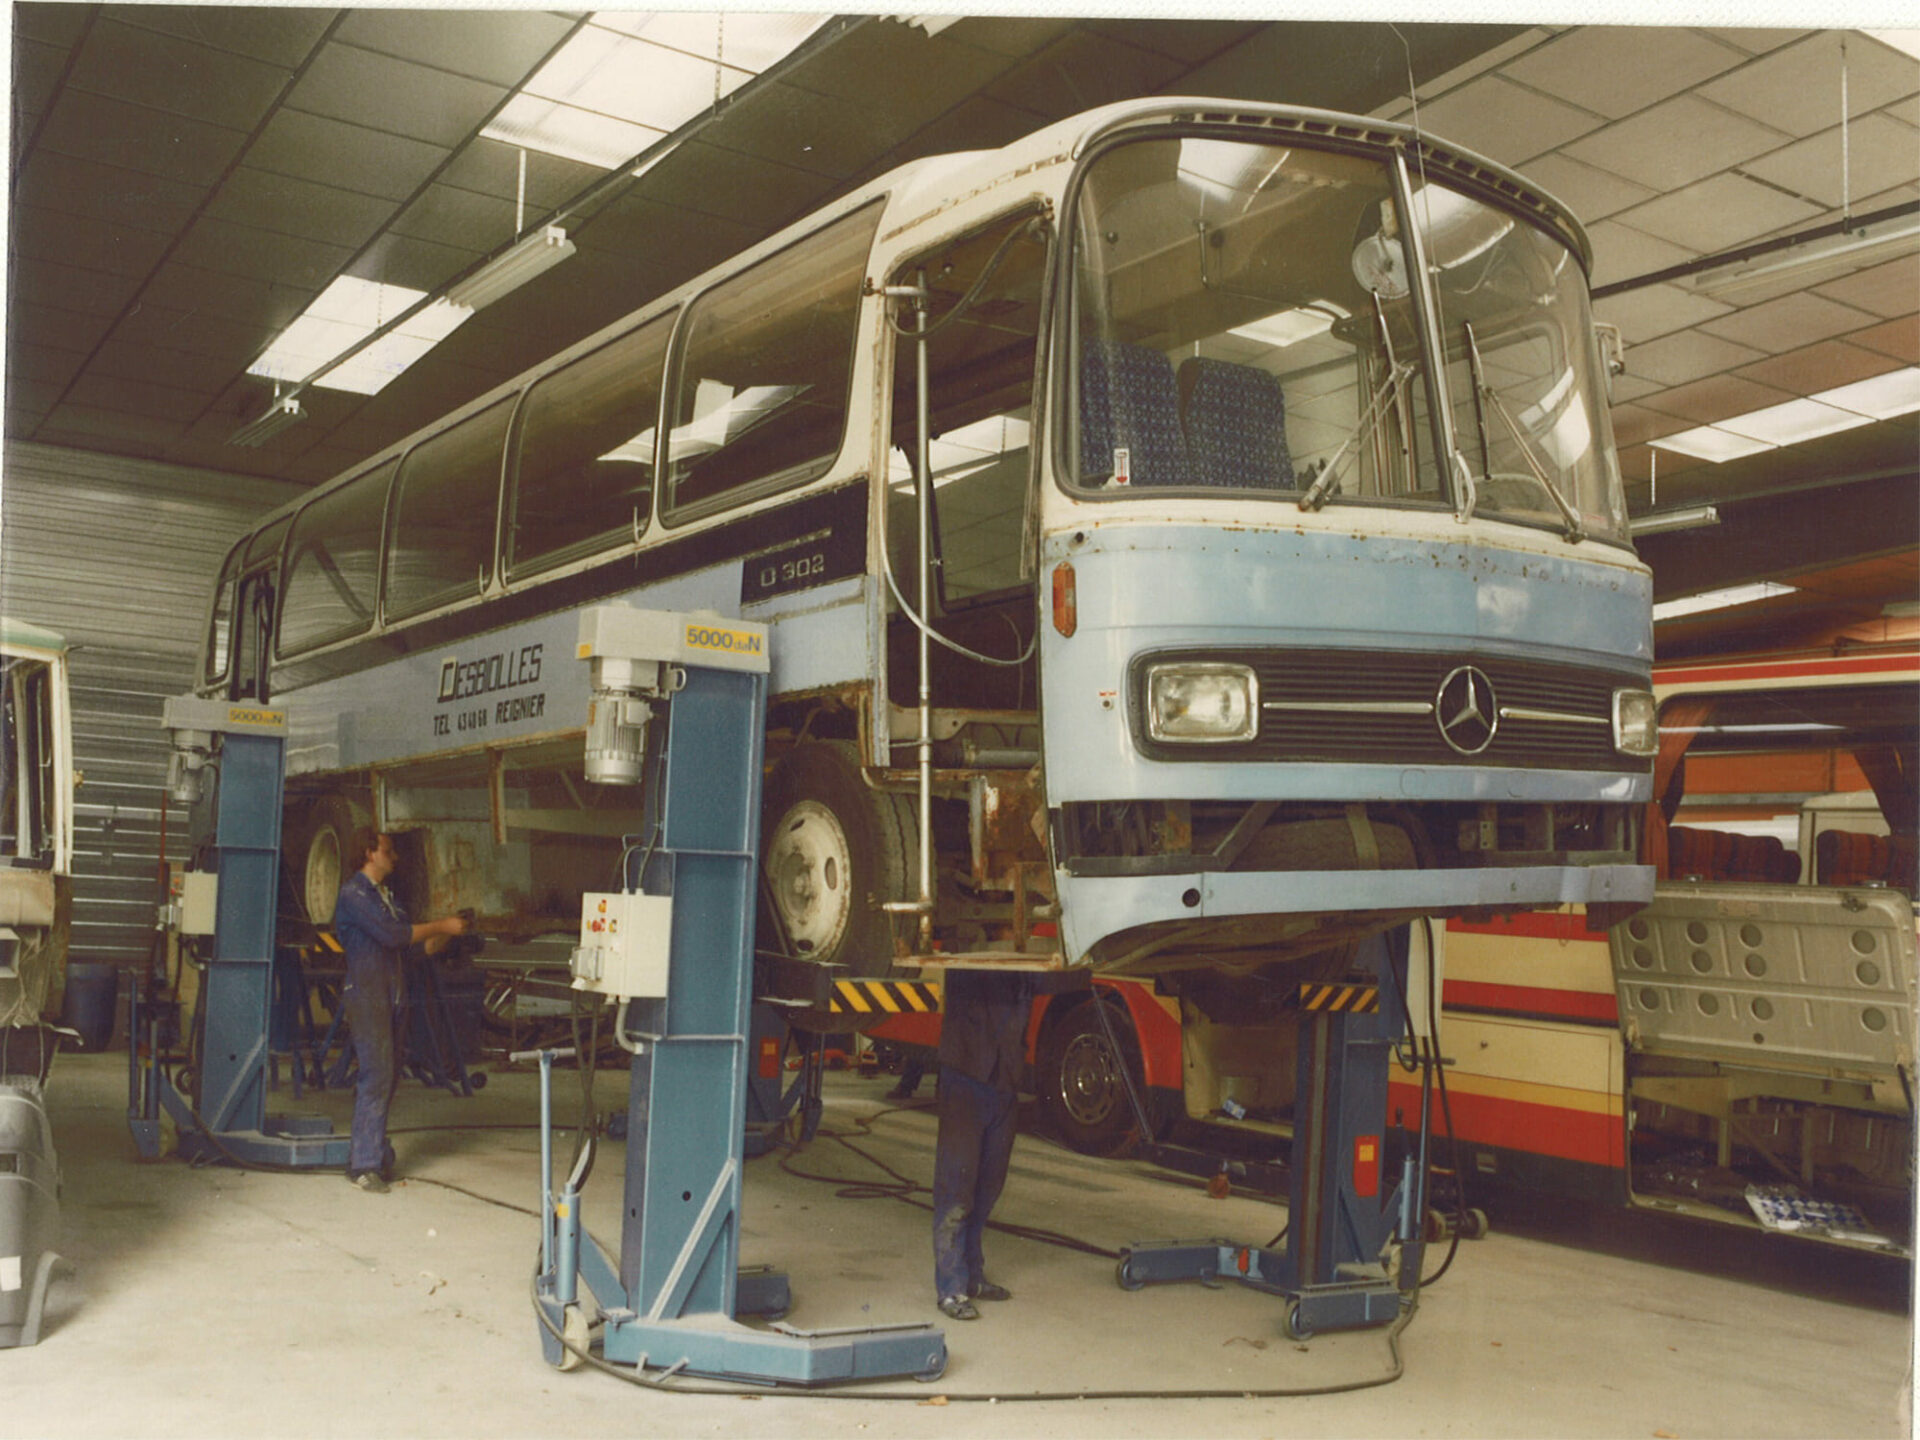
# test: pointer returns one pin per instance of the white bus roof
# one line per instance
(18, 635)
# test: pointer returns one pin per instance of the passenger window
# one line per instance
(443, 514)
(762, 395)
(333, 564)
(220, 628)
(981, 369)
(252, 629)
(26, 761)
(584, 477)
(266, 543)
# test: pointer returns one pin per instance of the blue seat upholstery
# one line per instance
(1236, 425)
(1128, 402)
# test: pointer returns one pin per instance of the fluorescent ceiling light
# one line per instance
(624, 80)
(1792, 422)
(1721, 599)
(1660, 522)
(1884, 397)
(1707, 443)
(1289, 327)
(284, 411)
(343, 315)
(535, 255)
(1907, 40)
(1766, 276)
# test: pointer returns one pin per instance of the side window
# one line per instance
(981, 374)
(220, 627)
(443, 514)
(333, 564)
(584, 477)
(26, 761)
(762, 393)
(252, 629)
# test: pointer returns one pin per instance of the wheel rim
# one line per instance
(810, 871)
(322, 879)
(1089, 1080)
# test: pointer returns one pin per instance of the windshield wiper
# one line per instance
(1317, 493)
(1483, 392)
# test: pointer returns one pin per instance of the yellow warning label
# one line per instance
(884, 997)
(240, 715)
(730, 642)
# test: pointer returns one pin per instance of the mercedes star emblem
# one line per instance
(1465, 710)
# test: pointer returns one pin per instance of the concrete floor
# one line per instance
(212, 1302)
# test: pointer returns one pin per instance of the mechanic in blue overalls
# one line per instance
(374, 932)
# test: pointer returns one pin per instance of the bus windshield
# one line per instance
(1243, 320)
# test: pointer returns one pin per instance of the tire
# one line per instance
(1082, 1094)
(317, 855)
(832, 851)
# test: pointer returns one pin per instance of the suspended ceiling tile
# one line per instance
(1899, 338)
(1614, 70)
(1487, 60)
(97, 245)
(1687, 355)
(196, 331)
(1907, 112)
(1880, 153)
(1622, 388)
(260, 254)
(1797, 88)
(1656, 310)
(43, 364)
(87, 424)
(1718, 397)
(30, 321)
(465, 220)
(1675, 143)
(937, 72)
(1636, 424)
(377, 91)
(350, 157)
(1622, 253)
(501, 47)
(1080, 71)
(1719, 213)
(1787, 323)
(809, 132)
(492, 167)
(132, 137)
(66, 287)
(28, 402)
(977, 124)
(1504, 121)
(268, 306)
(395, 259)
(37, 69)
(1755, 41)
(672, 239)
(1591, 194)
(1010, 36)
(266, 200)
(61, 25)
(122, 359)
(1886, 290)
(177, 77)
(90, 191)
(279, 35)
(150, 397)
(1814, 368)
(762, 191)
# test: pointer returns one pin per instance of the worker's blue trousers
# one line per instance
(373, 1020)
(969, 1171)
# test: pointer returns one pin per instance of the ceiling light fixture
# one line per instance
(1660, 522)
(1722, 599)
(284, 411)
(1766, 276)
(501, 276)
(1845, 407)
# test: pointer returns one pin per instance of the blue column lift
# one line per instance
(690, 694)
(226, 1117)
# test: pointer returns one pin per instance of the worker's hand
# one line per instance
(454, 925)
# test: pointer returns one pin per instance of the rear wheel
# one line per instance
(833, 852)
(319, 855)
(1082, 1083)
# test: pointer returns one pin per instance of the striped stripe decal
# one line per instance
(1350, 999)
(1532, 1002)
(884, 997)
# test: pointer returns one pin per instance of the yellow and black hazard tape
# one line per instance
(884, 997)
(325, 940)
(1341, 999)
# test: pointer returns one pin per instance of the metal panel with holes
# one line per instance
(1771, 977)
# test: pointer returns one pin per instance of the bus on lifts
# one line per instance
(36, 841)
(1190, 538)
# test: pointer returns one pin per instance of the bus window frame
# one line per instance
(511, 572)
(490, 577)
(281, 653)
(887, 365)
(672, 517)
(227, 585)
(1064, 456)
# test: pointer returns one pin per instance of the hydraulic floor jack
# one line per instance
(1332, 1269)
(679, 701)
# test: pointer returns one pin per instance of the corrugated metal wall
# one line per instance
(118, 555)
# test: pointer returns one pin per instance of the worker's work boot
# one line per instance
(958, 1307)
(370, 1182)
(987, 1290)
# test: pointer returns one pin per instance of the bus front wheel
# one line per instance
(320, 856)
(1083, 1090)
